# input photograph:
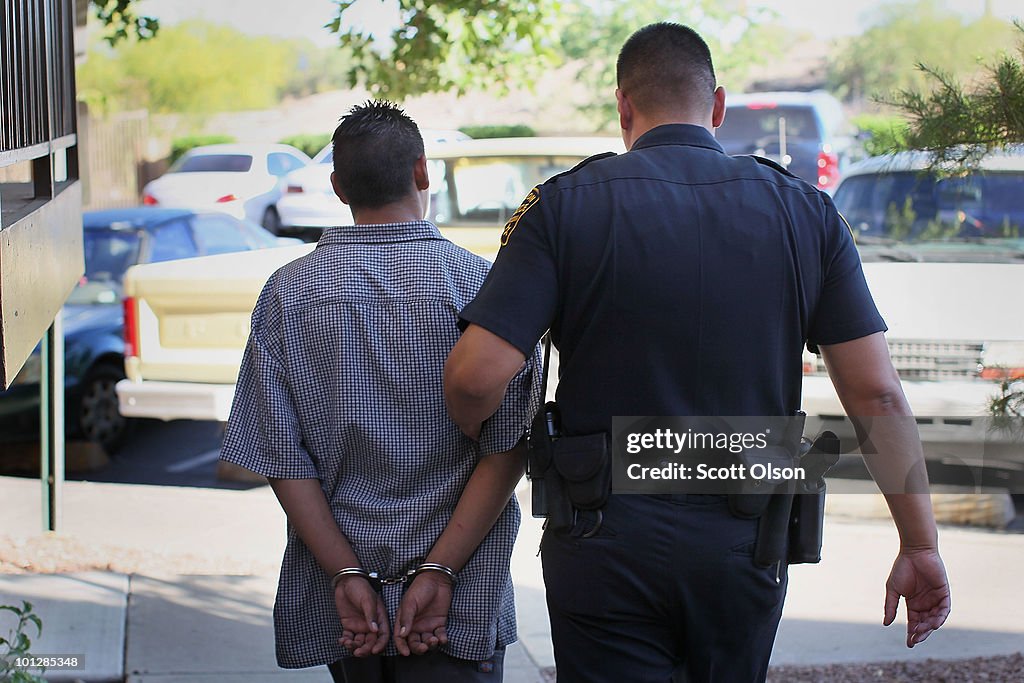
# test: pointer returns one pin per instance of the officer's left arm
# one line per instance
(476, 376)
(870, 391)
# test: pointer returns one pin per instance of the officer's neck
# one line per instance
(641, 124)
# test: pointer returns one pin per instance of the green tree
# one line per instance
(121, 22)
(881, 61)
(192, 67)
(739, 39)
(961, 124)
(444, 45)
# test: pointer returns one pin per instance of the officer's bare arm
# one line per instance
(868, 386)
(476, 376)
(870, 391)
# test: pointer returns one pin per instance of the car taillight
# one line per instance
(227, 198)
(149, 200)
(1000, 374)
(828, 169)
(1002, 361)
(131, 327)
(294, 189)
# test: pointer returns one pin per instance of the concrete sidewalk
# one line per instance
(173, 626)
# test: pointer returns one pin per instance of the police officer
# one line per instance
(676, 280)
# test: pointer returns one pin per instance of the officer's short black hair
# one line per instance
(666, 67)
(375, 148)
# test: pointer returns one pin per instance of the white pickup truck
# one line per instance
(953, 303)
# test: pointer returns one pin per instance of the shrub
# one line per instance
(17, 645)
(181, 145)
(310, 143)
(512, 131)
(881, 133)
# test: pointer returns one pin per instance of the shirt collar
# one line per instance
(678, 134)
(381, 233)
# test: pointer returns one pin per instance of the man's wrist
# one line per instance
(347, 573)
(437, 569)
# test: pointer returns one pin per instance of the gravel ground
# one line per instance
(58, 554)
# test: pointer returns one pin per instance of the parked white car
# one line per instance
(944, 257)
(309, 205)
(243, 180)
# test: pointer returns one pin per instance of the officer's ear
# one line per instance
(625, 110)
(718, 110)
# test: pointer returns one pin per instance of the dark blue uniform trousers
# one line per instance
(665, 591)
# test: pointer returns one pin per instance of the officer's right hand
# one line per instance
(364, 618)
(920, 577)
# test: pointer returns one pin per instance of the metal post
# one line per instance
(782, 143)
(51, 414)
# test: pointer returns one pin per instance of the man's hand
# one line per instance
(364, 619)
(920, 577)
(423, 614)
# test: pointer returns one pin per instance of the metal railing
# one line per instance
(37, 78)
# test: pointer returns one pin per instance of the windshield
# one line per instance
(487, 189)
(977, 216)
(108, 254)
(213, 163)
(760, 124)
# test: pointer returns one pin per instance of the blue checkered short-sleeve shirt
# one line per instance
(341, 381)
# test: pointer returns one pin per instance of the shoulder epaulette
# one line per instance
(602, 155)
(773, 164)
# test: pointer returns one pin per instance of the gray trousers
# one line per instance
(434, 667)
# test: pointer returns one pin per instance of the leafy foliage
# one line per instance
(881, 60)
(183, 144)
(18, 644)
(883, 132)
(310, 143)
(961, 125)
(497, 131)
(593, 33)
(197, 68)
(121, 22)
(443, 45)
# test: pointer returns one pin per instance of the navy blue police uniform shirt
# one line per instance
(675, 280)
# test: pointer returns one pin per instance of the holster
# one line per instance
(790, 529)
(566, 472)
(540, 447)
(751, 499)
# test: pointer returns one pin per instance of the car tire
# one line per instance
(97, 414)
(272, 220)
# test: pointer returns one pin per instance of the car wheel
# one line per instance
(99, 419)
(272, 220)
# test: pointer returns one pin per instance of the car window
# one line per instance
(910, 207)
(759, 125)
(109, 253)
(488, 189)
(213, 163)
(220, 234)
(280, 164)
(172, 240)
